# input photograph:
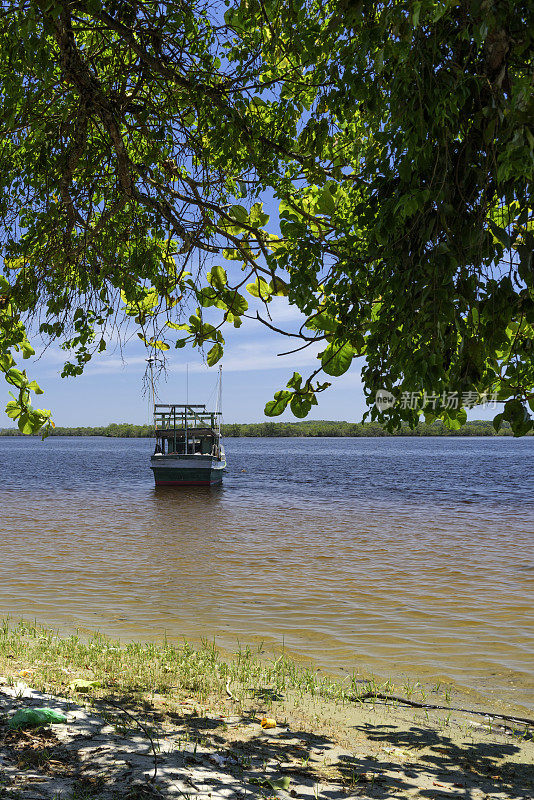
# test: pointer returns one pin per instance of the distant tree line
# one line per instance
(121, 430)
(126, 430)
(358, 429)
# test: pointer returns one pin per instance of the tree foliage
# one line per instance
(139, 138)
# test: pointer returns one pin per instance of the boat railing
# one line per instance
(171, 417)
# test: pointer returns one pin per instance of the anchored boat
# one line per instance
(189, 449)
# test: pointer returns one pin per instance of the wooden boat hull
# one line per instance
(182, 470)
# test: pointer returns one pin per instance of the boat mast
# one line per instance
(152, 391)
(219, 403)
(185, 409)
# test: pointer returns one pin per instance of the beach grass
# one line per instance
(139, 669)
(161, 674)
(168, 671)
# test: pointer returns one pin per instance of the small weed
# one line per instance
(305, 761)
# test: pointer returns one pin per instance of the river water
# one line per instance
(407, 558)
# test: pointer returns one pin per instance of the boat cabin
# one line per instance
(186, 430)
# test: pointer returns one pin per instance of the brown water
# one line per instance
(406, 558)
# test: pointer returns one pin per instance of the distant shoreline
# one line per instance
(308, 429)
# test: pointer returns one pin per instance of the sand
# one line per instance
(326, 750)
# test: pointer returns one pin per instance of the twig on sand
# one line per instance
(415, 704)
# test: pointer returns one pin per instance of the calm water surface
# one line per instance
(403, 557)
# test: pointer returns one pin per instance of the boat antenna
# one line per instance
(219, 401)
(152, 391)
(187, 383)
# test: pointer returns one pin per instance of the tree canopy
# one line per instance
(140, 140)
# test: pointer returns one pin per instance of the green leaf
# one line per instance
(452, 423)
(454, 419)
(176, 327)
(239, 213)
(415, 13)
(148, 301)
(280, 287)
(6, 361)
(27, 349)
(236, 303)
(16, 377)
(326, 203)
(301, 405)
(232, 254)
(207, 297)
(500, 234)
(517, 415)
(322, 322)
(461, 416)
(277, 406)
(26, 423)
(34, 386)
(82, 686)
(260, 288)
(289, 210)
(195, 323)
(279, 784)
(257, 217)
(295, 381)
(292, 230)
(217, 277)
(337, 358)
(215, 354)
(13, 409)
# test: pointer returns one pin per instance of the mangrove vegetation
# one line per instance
(125, 430)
